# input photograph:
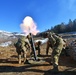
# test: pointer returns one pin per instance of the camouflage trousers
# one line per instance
(21, 53)
(55, 56)
(49, 45)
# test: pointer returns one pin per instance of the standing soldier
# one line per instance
(22, 46)
(57, 45)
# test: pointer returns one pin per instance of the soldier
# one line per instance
(49, 44)
(57, 45)
(36, 44)
(37, 47)
(22, 46)
(30, 40)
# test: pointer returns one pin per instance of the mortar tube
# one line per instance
(34, 50)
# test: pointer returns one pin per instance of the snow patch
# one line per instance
(5, 44)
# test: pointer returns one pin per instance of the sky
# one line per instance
(45, 13)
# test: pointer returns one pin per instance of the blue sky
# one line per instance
(46, 13)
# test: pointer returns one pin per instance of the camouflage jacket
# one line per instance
(56, 41)
(22, 42)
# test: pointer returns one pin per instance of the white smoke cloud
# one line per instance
(29, 26)
(43, 41)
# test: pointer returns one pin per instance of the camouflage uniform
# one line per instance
(48, 46)
(57, 45)
(22, 46)
(30, 40)
(37, 47)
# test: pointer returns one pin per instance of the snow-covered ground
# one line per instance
(6, 33)
(10, 33)
(5, 44)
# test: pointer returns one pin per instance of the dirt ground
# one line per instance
(9, 64)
